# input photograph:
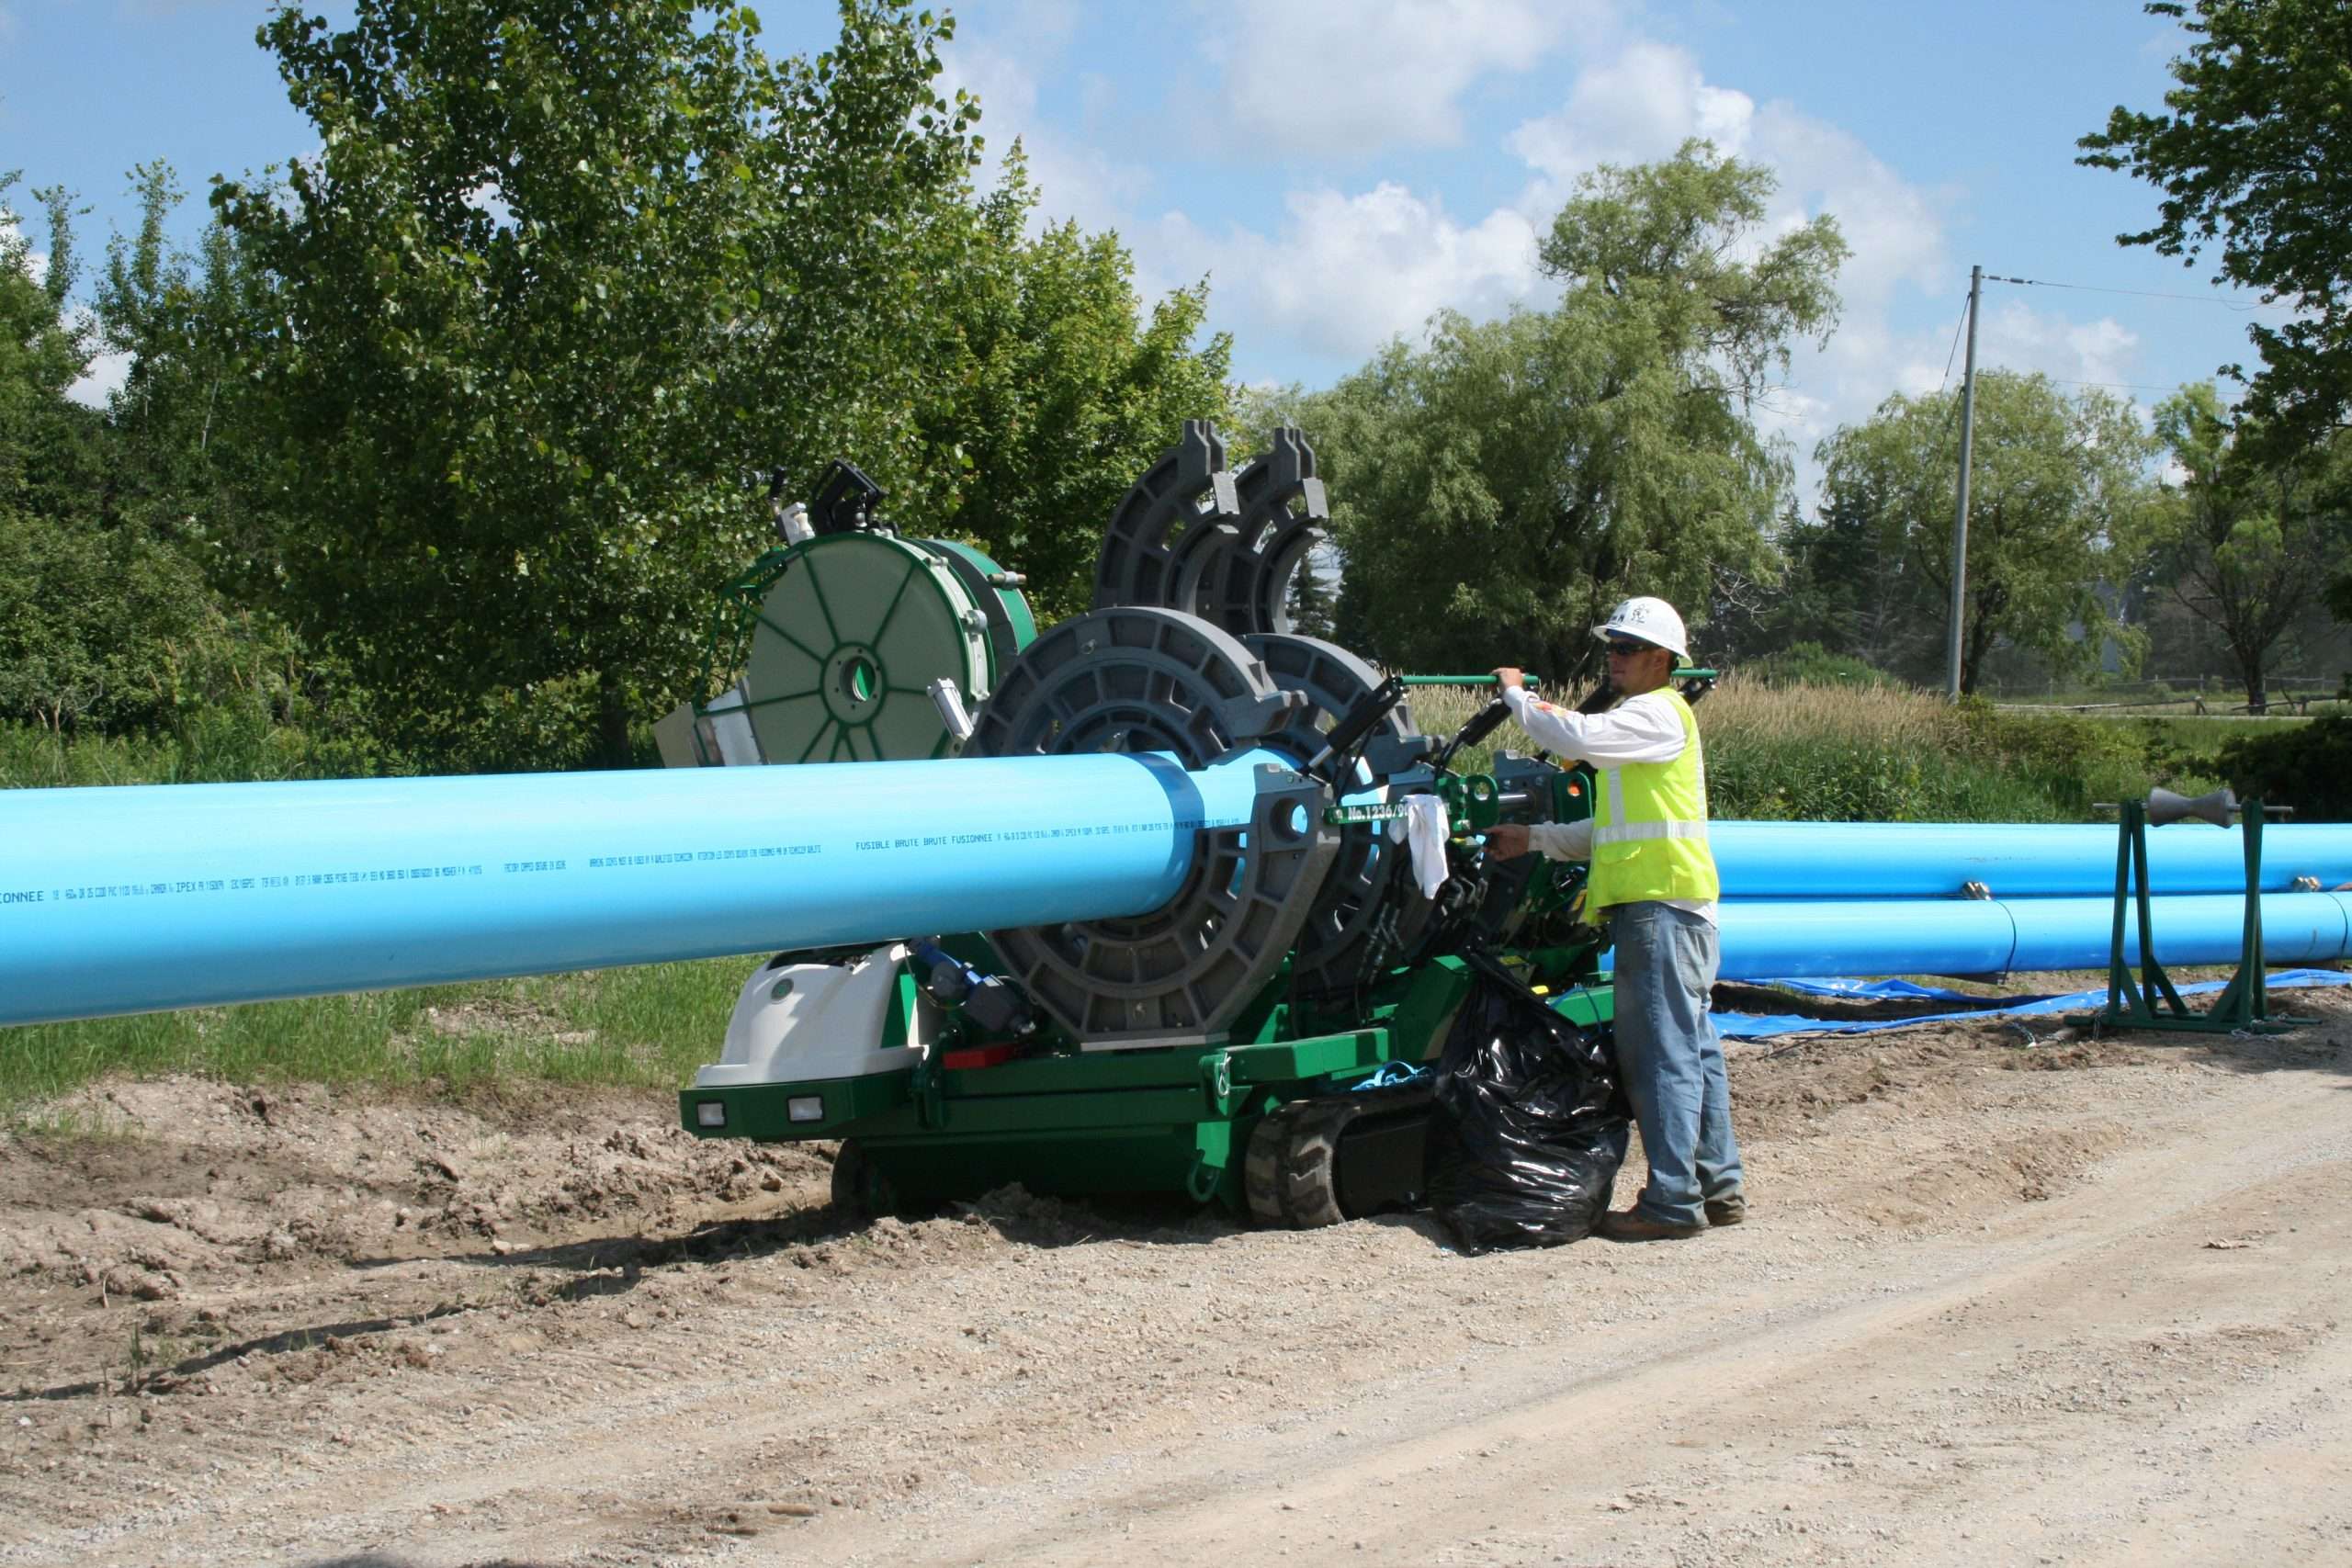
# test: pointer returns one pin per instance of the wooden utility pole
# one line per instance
(1959, 521)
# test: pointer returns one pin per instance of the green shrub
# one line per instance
(2307, 766)
(2075, 760)
(1800, 781)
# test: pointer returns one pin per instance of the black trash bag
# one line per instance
(1529, 1127)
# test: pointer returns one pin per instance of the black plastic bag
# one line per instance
(1529, 1127)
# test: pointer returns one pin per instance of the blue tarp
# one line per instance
(1752, 1026)
(1875, 989)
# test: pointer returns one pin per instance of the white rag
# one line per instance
(1423, 829)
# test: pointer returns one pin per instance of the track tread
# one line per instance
(1291, 1172)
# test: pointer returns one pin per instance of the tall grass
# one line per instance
(1891, 754)
(1855, 753)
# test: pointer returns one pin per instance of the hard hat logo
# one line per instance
(1652, 620)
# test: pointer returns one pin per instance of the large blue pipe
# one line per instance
(140, 898)
(1792, 937)
(136, 900)
(1920, 860)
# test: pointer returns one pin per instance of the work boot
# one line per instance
(1631, 1224)
(1729, 1211)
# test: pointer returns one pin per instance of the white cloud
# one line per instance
(1632, 109)
(1346, 273)
(1346, 267)
(2015, 335)
(1311, 78)
(101, 381)
(1073, 178)
(1891, 226)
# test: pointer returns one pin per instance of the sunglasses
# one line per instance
(1624, 645)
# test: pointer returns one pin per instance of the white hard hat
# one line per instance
(1652, 620)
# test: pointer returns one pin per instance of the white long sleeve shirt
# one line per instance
(1639, 729)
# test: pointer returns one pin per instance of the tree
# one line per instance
(1852, 586)
(2256, 157)
(2057, 489)
(1052, 391)
(2238, 537)
(51, 571)
(556, 279)
(96, 614)
(186, 459)
(1497, 487)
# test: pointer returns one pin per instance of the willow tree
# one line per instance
(1496, 485)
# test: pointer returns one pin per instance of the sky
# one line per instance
(1339, 170)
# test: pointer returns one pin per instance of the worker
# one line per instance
(1653, 882)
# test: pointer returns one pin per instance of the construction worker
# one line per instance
(1653, 882)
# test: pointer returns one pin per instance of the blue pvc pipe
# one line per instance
(1795, 938)
(1920, 860)
(133, 900)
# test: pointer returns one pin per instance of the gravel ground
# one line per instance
(2067, 1302)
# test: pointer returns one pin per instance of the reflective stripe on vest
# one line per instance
(1626, 832)
(1649, 838)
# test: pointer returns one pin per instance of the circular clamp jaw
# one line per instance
(1141, 679)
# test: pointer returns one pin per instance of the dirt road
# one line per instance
(2076, 1304)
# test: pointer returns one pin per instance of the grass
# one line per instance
(640, 1028)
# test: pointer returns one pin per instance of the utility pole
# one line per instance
(1959, 521)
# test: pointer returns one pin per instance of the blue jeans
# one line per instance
(1672, 1060)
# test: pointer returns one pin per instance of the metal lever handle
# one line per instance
(1356, 723)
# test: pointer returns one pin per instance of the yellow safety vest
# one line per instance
(1649, 828)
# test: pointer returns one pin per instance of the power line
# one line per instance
(2137, 293)
(2126, 385)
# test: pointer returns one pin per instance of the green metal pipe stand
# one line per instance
(2151, 1002)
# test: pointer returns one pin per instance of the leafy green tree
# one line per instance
(46, 462)
(2058, 492)
(1852, 587)
(2254, 157)
(1054, 391)
(557, 278)
(98, 618)
(2238, 535)
(1498, 486)
(49, 569)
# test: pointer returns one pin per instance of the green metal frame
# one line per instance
(2151, 1001)
(1075, 1122)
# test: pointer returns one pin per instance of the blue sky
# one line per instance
(1338, 169)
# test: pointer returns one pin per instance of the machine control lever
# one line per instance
(1488, 720)
(1354, 725)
